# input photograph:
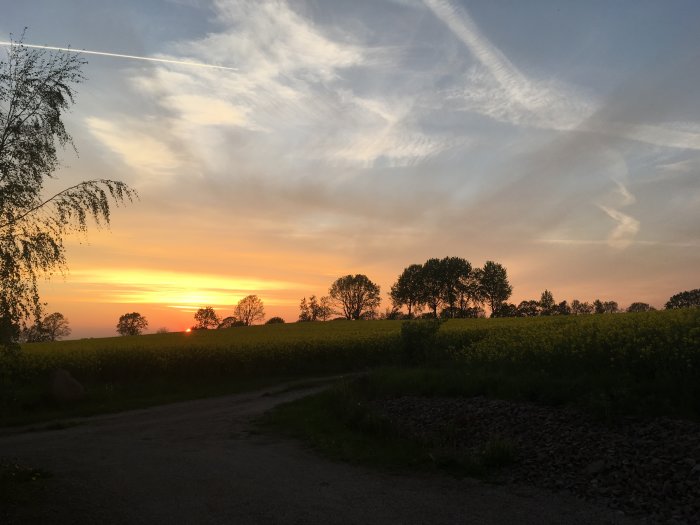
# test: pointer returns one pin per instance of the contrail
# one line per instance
(119, 55)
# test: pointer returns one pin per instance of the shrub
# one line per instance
(417, 339)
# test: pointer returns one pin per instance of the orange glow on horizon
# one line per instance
(182, 291)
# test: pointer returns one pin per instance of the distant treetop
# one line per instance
(687, 299)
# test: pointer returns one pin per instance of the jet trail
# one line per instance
(119, 55)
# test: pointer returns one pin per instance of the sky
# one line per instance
(560, 139)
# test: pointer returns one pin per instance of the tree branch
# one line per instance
(44, 203)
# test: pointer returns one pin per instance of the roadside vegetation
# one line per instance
(132, 371)
(643, 364)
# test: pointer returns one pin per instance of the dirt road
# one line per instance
(199, 462)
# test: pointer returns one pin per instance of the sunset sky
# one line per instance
(561, 139)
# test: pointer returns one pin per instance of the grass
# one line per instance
(609, 366)
(323, 421)
(110, 398)
(131, 372)
(341, 424)
(647, 363)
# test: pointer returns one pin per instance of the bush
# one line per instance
(275, 320)
(418, 338)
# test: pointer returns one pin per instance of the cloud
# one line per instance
(682, 166)
(625, 230)
(201, 110)
(307, 127)
(137, 148)
(495, 87)
(293, 87)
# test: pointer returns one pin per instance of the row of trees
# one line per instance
(450, 288)
(359, 299)
(548, 306)
(248, 311)
(447, 287)
(448, 283)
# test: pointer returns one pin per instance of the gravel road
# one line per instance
(201, 462)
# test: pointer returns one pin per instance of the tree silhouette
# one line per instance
(50, 328)
(229, 322)
(605, 307)
(131, 324)
(206, 318)
(35, 90)
(687, 299)
(249, 310)
(547, 304)
(581, 308)
(55, 326)
(445, 281)
(640, 307)
(408, 290)
(494, 285)
(356, 296)
(529, 308)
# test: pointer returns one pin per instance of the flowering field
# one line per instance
(647, 359)
(299, 348)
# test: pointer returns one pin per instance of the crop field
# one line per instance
(645, 362)
(642, 363)
(235, 352)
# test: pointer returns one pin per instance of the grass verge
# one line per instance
(341, 424)
(107, 398)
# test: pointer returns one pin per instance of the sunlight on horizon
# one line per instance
(180, 290)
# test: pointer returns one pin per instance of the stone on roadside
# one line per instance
(64, 388)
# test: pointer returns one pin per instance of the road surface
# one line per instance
(201, 462)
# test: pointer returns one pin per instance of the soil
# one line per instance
(202, 462)
(644, 467)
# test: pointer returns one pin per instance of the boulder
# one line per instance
(64, 388)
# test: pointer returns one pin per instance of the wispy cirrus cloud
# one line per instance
(624, 231)
(136, 145)
(291, 87)
(496, 88)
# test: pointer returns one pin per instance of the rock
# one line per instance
(648, 467)
(64, 388)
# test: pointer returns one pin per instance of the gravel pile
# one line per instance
(648, 468)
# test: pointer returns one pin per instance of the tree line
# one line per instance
(448, 288)
(451, 288)
(356, 297)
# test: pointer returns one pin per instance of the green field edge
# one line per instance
(146, 395)
(340, 424)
